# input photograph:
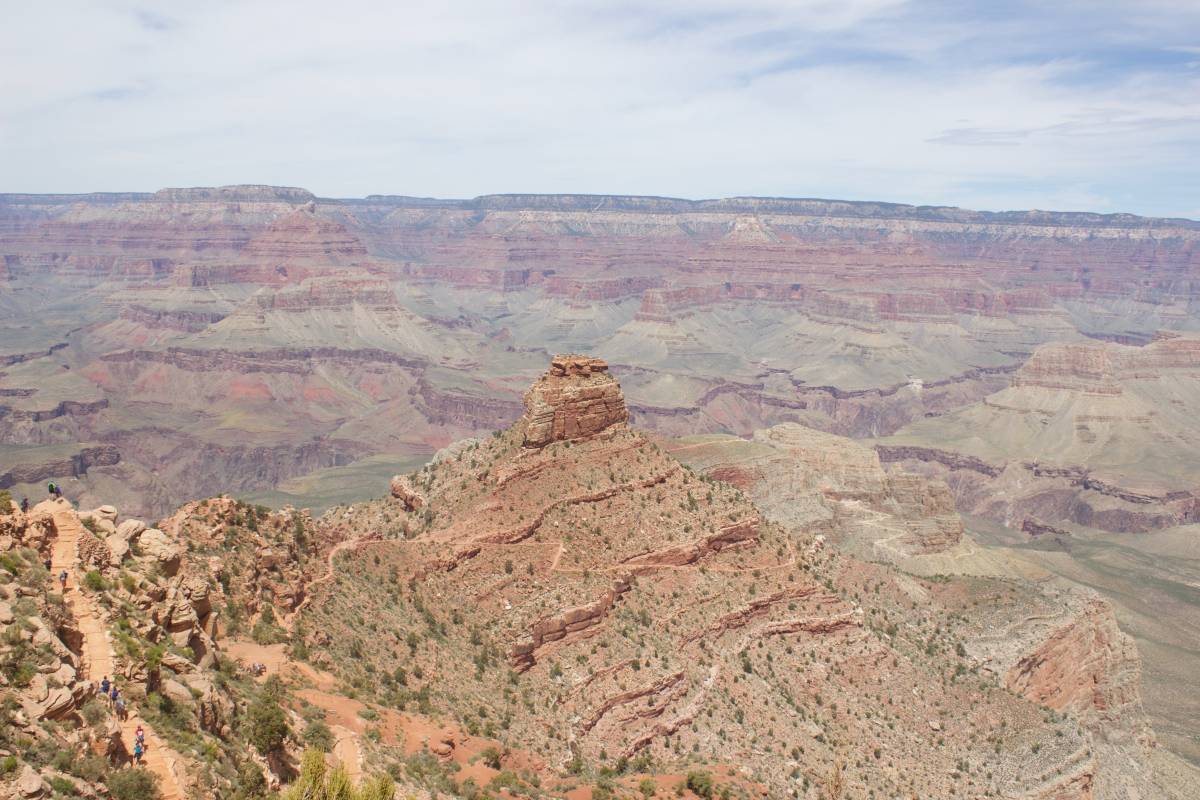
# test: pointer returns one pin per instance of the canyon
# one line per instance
(572, 606)
(934, 390)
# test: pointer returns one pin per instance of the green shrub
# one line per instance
(491, 757)
(62, 785)
(63, 761)
(5, 502)
(90, 768)
(266, 724)
(647, 787)
(318, 735)
(250, 782)
(95, 581)
(23, 674)
(9, 764)
(133, 784)
(701, 783)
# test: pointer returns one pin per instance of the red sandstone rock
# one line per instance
(404, 491)
(576, 397)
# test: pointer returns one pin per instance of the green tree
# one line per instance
(266, 723)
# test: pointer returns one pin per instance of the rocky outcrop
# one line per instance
(523, 653)
(1088, 666)
(577, 397)
(403, 490)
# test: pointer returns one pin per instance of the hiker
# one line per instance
(114, 695)
(62, 578)
(121, 709)
(53, 490)
(137, 753)
(24, 505)
(104, 684)
(140, 736)
(48, 564)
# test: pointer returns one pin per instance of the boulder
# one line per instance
(41, 701)
(213, 710)
(177, 663)
(118, 546)
(158, 546)
(131, 529)
(195, 588)
(106, 512)
(176, 691)
(6, 613)
(30, 783)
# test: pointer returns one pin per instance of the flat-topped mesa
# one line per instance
(576, 397)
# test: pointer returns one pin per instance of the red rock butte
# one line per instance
(576, 397)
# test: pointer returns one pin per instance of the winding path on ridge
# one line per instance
(97, 658)
(334, 552)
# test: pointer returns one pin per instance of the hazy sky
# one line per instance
(993, 105)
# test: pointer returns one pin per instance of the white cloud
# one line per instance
(873, 99)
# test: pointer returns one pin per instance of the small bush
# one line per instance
(90, 768)
(5, 502)
(317, 735)
(62, 785)
(491, 757)
(95, 581)
(701, 783)
(133, 784)
(250, 781)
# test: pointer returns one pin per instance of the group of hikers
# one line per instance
(52, 488)
(258, 668)
(109, 690)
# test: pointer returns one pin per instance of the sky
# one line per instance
(1053, 104)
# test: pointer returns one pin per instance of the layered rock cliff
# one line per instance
(575, 398)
